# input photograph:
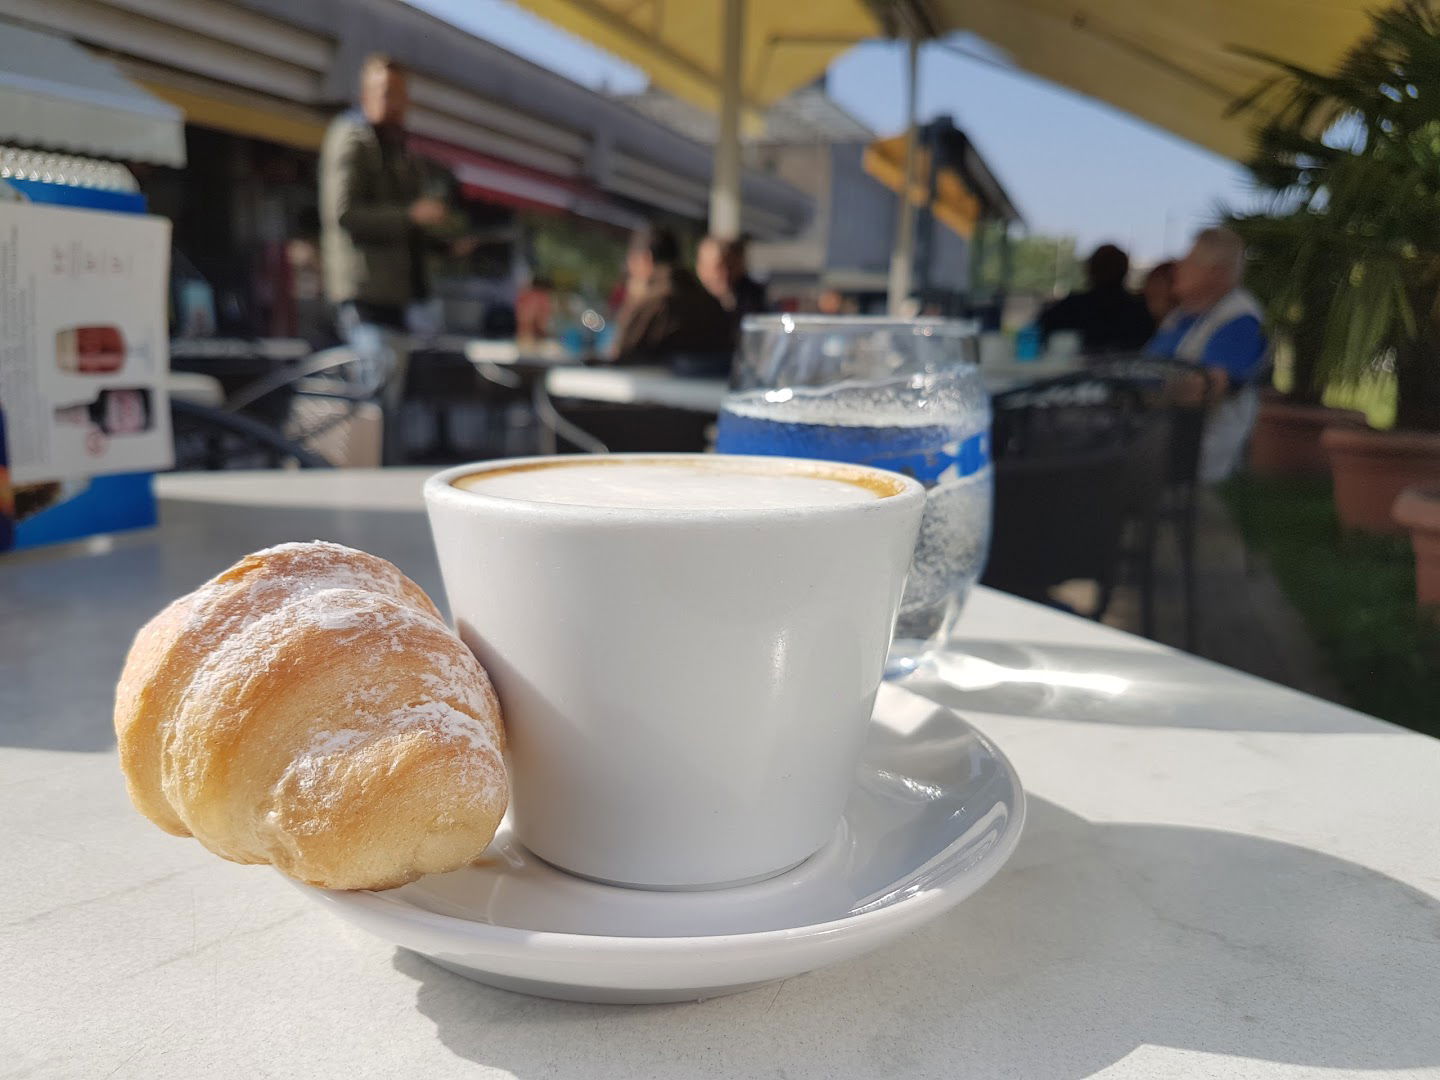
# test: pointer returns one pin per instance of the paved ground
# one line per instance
(1245, 622)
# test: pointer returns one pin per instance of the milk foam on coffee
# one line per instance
(677, 485)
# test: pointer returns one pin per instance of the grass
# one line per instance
(1356, 594)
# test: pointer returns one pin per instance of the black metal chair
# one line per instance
(1178, 507)
(598, 427)
(314, 403)
(1079, 469)
(1182, 472)
(1125, 398)
(1068, 413)
(438, 380)
(209, 439)
(702, 365)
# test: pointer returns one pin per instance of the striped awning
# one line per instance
(56, 96)
(494, 180)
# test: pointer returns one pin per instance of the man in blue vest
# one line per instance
(1217, 327)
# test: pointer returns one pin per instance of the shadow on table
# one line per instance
(1097, 941)
(82, 610)
(1144, 687)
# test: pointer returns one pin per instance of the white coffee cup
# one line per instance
(686, 688)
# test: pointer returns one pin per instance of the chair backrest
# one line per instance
(349, 437)
(1071, 413)
(210, 439)
(1057, 518)
(1076, 458)
(447, 377)
(323, 404)
(1186, 423)
(1187, 426)
(637, 428)
(701, 364)
(339, 367)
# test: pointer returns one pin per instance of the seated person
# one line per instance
(535, 310)
(1217, 327)
(668, 315)
(831, 302)
(1159, 291)
(1108, 316)
(721, 265)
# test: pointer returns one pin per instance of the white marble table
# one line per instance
(658, 386)
(223, 348)
(1219, 877)
(508, 352)
(640, 385)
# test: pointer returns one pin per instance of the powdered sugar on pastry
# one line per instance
(308, 708)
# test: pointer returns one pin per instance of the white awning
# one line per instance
(56, 96)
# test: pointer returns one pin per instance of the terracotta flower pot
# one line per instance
(1286, 439)
(1371, 468)
(1418, 509)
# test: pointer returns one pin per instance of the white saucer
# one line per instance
(935, 813)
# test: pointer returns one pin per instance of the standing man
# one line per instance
(1217, 327)
(376, 224)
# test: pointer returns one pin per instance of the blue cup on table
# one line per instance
(898, 394)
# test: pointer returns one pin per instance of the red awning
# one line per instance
(498, 181)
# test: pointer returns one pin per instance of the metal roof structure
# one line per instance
(278, 69)
(56, 96)
(809, 115)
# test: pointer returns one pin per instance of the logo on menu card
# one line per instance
(75, 260)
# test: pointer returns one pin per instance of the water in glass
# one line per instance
(898, 394)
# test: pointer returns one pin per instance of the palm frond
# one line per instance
(1347, 254)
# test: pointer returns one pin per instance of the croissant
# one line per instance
(309, 708)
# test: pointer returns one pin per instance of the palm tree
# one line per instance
(1347, 254)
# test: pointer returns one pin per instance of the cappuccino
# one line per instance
(686, 648)
(697, 483)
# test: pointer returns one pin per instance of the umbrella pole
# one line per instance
(725, 181)
(902, 261)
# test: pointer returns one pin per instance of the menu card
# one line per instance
(83, 351)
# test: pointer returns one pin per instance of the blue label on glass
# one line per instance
(928, 452)
(974, 454)
(930, 467)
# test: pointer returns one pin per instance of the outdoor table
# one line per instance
(624, 385)
(442, 373)
(236, 362)
(1218, 877)
(512, 353)
(658, 386)
(272, 349)
(521, 366)
(194, 387)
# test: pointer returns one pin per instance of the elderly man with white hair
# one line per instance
(1217, 327)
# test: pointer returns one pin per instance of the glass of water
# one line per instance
(901, 394)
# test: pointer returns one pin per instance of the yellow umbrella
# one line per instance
(680, 44)
(722, 54)
(1171, 62)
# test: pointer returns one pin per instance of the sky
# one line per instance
(1074, 166)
